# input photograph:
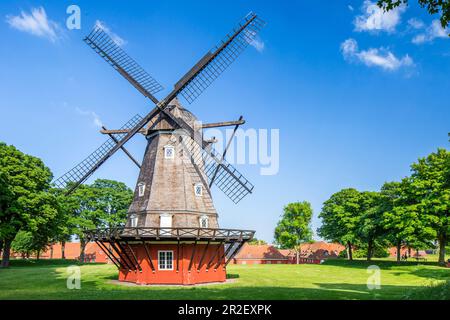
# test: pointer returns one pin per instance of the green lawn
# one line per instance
(338, 279)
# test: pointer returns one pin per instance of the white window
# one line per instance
(141, 188)
(133, 220)
(165, 260)
(169, 152)
(204, 222)
(165, 221)
(198, 189)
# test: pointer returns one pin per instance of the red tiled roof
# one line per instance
(315, 250)
(263, 251)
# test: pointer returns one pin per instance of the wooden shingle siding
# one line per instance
(169, 183)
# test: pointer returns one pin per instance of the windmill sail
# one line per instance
(219, 58)
(85, 168)
(108, 49)
(225, 176)
(190, 86)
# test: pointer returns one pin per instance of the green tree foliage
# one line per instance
(255, 241)
(294, 226)
(430, 185)
(99, 205)
(23, 244)
(113, 199)
(370, 229)
(341, 216)
(404, 223)
(378, 250)
(441, 7)
(25, 203)
(27, 243)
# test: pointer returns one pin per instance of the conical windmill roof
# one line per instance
(175, 108)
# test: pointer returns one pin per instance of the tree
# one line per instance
(102, 204)
(113, 199)
(433, 7)
(402, 220)
(294, 227)
(340, 216)
(25, 203)
(370, 228)
(255, 241)
(23, 244)
(430, 184)
(27, 243)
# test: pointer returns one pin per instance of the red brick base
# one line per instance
(182, 275)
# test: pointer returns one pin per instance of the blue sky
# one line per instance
(357, 95)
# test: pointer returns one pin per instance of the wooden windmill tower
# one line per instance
(172, 234)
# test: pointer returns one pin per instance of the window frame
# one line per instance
(205, 218)
(141, 184)
(166, 147)
(165, 260)
(134, 217)
(201, 190)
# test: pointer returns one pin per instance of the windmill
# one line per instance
(172, 233)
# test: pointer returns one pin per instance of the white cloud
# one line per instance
(96, 121)
(433, 31)
(258, 44)
(374, 57)
(416, 23)
(35, 23)
(117, 39)
(350, 8)
(375, 19)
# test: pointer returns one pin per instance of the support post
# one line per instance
(225, 252)
(121, 258)
(203, 256)
(214, 255)
(192, 255)
(178, 255)
(234, 253)
(138, 266)
(149, 256)
(125, 257)
(110, 255)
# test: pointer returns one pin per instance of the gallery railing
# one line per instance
(177, 233)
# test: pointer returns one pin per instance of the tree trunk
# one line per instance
(298, 260)
(63, 249)
(409, 251)
(442, 243)
(399, 249)
(349, 251)
(51, 251)
(38, 254)
(1, 246)
(369, 250)
(6, 253)
(82, 247)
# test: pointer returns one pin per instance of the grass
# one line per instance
(336, 279)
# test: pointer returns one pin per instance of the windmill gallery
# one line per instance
(172, 234)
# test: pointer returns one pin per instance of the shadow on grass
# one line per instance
(383, 264)
(13, 263)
